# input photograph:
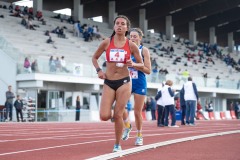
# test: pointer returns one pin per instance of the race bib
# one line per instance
(117, 55)
(133, 73)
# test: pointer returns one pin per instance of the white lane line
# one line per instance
(155, 145)
(127, 152)
(61, 146)
(98, 135)
(53, 137)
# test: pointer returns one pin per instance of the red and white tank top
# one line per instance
(118, 55)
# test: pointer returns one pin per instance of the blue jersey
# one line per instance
(139, 82)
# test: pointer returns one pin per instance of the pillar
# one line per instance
(192, 33)
(37, 6)
(169, 27)
(212, 36)
(230, 42)
(143, 23)
(111, 13)
(77, 12)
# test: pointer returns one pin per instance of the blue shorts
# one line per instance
(139, 87)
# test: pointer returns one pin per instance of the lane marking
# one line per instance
(125, 152)
(155, 145)
(84, 135)
(61, 146)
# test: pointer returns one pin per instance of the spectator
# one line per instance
(96, 33)
(56, 30)
(237, 109)
(39, 16)
(210, 107)
(183, 106)
(27, 66)
(185, 75)
(57, 64)
(34, 66)
(10, 7)
(30, 24)
(161, 75)
(86, 35)
(71, 20)
(63, 65)
(77, 29)
(178, 76)
(148, 104)
(78, 107)
(25, 10)
(206, 105)
(153, 109)
(24, 21)
(47, 33)
(18, 104)
(217, 81)
(9, 104)
(168, 101)
(61, 33)
(154, 74)
(231, 107)
(205, 76)
(154, 62)
(57, 16)
(49, 39)
(191, 97)
(52, 65)
(165, 72)
(238, 84)
(200, 111)
(230, 69)
(30, 11)
(171, 50)
(161, 108)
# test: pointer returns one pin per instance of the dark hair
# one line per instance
(128, 23)
(189, 78)
(138, 30)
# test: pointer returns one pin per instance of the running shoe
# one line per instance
(126, 133)
(117, 148)
(112, 120)
(139, 141)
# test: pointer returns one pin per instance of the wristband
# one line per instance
(98, 69)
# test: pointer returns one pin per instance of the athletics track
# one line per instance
(215, 140)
